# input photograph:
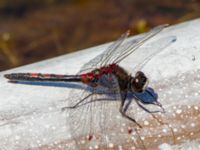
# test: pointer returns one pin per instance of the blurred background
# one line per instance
(34, 30)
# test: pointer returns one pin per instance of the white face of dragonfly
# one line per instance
(139, 82)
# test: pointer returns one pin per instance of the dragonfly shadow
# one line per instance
(53, 84)
(149, 96)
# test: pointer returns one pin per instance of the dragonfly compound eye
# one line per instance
(139, 82)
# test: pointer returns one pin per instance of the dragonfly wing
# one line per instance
(97, 61)
(116, 52)
(80, 119)
(133, 45)
(97, 120)
(145, 54)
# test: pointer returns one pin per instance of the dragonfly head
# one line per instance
(139, 82)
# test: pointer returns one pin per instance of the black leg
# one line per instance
(122, 111)
(157, 119)
(128, 117)
(82, 100)
(147, 110)
(77, 104)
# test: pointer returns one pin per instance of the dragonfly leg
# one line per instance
(77, 104)
(121, 110)
(80, 103)
(147, 110)
(157, 119)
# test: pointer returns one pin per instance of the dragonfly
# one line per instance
(91, 110)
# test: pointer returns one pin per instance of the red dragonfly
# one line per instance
(92, 110)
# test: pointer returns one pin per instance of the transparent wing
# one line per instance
(96, 62)
(117, 52)
(130, 47)
(145, 54)
(97, 120)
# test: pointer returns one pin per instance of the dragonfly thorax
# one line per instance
(138, 83)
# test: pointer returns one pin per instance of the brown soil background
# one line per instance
(34, 30)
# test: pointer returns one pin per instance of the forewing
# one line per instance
(117, 52)
(146, 53)
(130, 47)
